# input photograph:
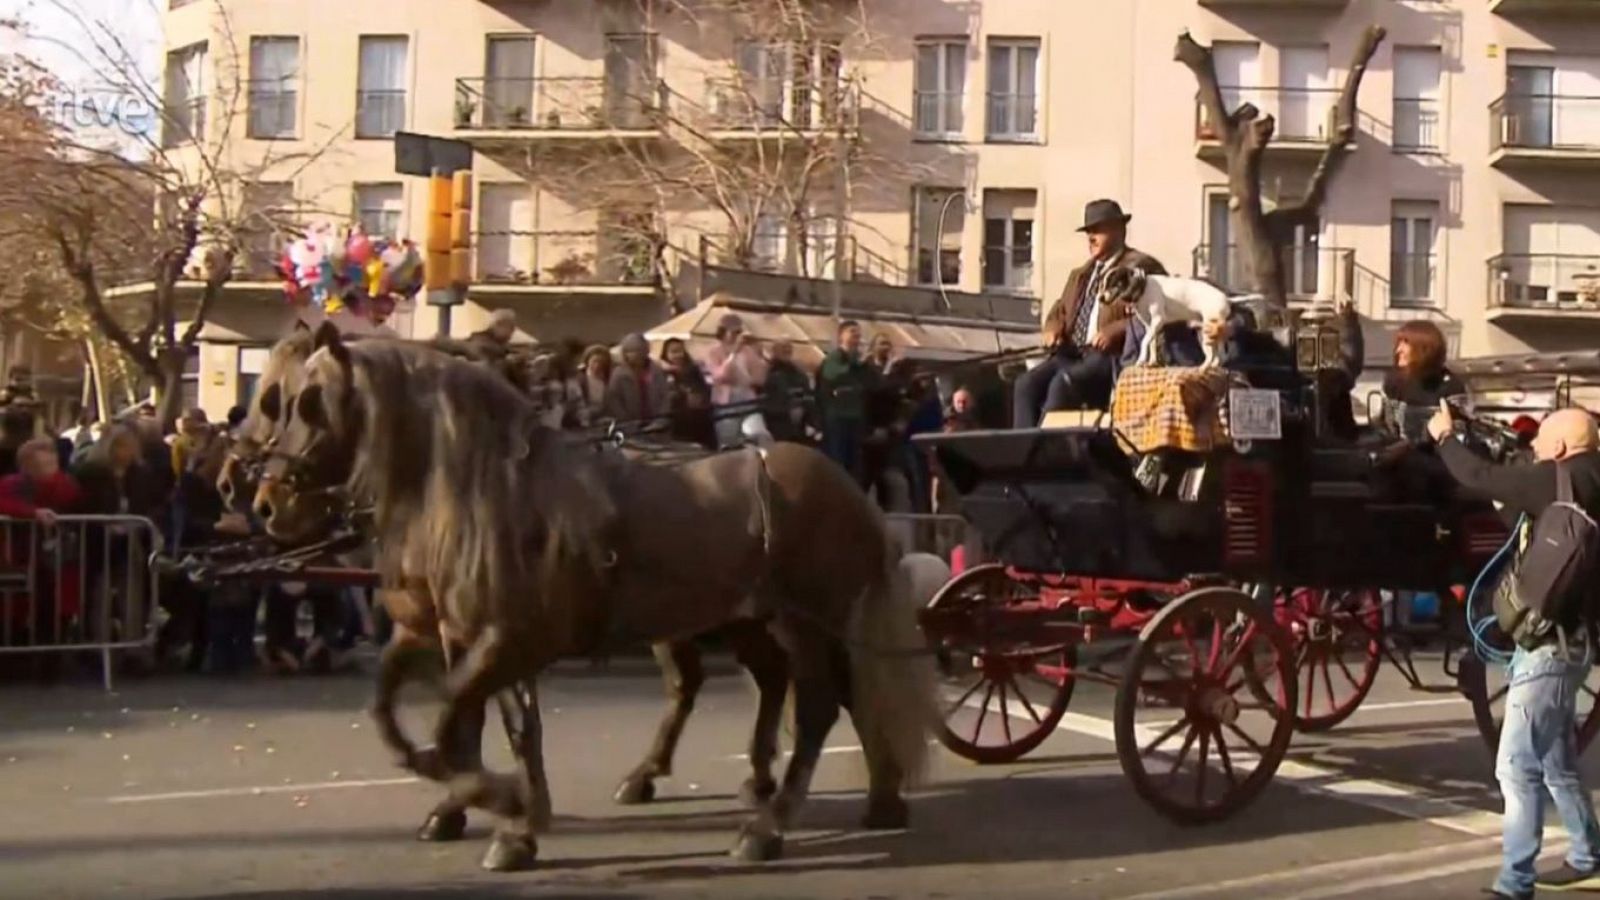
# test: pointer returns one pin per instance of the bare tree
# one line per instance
(147, 230)
(1245, 134)
(776, 137)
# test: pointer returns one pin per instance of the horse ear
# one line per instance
(271, 402)
(328, 337)
(308, 406)
(300, 325)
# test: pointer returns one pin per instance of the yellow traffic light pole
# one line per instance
(447, 257)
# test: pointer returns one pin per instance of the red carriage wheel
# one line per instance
(1485, 687)
(1338, 641)
(1204, 712)
(1002, 694)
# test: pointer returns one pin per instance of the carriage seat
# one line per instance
(1073, 418)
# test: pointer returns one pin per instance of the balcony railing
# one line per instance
(1012, 117)
(1417, 125)
(557, 104)
(1304, 115)
(561, 258)
(185, 122)
(272, 111)
(1545, 122)
(1544, 281)
(734, 104)
(380, 113)
(1312, 273)
(1413, 279)
(1008, 269)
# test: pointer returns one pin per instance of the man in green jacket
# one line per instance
(844, 382)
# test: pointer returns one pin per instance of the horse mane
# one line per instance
(285, 367)
(467, 484)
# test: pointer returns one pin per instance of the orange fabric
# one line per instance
(1170, 407)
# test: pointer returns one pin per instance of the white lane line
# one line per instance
(1455, 700)
(261, 789)
(1366, 885)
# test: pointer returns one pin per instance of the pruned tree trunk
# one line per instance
(1244, 134)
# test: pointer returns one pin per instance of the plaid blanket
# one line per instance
(1173, 407)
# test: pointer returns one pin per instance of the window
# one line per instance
(767, 242)
(782, 84)
(1238, 65)
(941, 84)
(508, 250)
(1412, 229)
(1218, 259)
(820, 253)
(274, 80)
(267, 208)
(1008, 240)
(630, 85)
(1013, 86)
(381, 87)
(185, 95)
(1305, 99)
(378, 209)
(252, 362)
(508, 81)
(1416, 99)
(940, 217)
(189, 381)
(1552, 255)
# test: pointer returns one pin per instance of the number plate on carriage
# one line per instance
(1254, 415)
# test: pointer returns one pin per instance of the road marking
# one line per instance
(262, 789)
(1410, 704)
(1484, 861)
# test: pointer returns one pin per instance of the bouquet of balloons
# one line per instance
(353, 271)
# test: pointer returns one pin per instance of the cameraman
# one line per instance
(1538, 743)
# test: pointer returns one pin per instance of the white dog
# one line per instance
(1161, 299)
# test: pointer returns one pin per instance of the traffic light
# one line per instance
(436, 248)
(461, 228)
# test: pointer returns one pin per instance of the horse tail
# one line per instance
(892, 683)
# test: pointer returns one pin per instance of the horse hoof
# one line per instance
(635, 791)
(510, 853)
(755, 792)
(758, 847)
(439, 828)
(887, 815)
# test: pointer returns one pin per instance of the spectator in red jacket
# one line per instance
(38, 492)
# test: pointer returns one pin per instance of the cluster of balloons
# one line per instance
(336, 271)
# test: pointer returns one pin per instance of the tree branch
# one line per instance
(1199, 60)
(78, 264)
(1339, 142)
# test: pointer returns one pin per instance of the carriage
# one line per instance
(1231, 596)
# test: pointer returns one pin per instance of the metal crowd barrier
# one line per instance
(82, 583)
(938, 534)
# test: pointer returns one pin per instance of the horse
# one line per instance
(532, 550)
(681, 662)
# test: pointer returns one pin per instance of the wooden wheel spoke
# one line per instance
(1249, 741)
(1593, 694)
(962, 701)
(1354, 682)
(1005, 713)
(1245, 638)
(983, 712)
(1311, 687)
(1213, 654)
(1017, 689)
(1500, 694)
(1327, 683)
(1164, 736)
(1222, 755)
(1183, 754)
(1201, 766)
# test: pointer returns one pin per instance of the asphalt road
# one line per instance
(264, 788)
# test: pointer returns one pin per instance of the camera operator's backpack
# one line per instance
(1552, 585)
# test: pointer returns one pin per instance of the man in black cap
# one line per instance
(1085, 338)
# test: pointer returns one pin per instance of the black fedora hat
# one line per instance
(1103, 212)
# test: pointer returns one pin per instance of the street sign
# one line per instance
(421, 154)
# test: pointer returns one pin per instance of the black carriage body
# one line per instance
(1291, 512)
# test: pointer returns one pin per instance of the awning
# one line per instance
(812, 331)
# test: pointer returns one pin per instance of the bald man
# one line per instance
(1538, 746)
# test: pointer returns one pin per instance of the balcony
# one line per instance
(1544, 286)
(1305, 119)
(273, 111)
(1418, 126)
(522, 110)
(1544, 130)
(736, 109)
(1316, 276)
(562, 262)
(1545, 7)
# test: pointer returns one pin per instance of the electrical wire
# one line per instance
(1479, 627)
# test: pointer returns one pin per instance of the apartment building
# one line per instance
(1472, 196)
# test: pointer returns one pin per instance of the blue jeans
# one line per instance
(1539, 752)
(841, 441)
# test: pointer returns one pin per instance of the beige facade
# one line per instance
(1472, 197)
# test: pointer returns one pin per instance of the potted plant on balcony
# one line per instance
(571, 269)
(597, 117)
(552, 119)
(518, 116)
(464, 110)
